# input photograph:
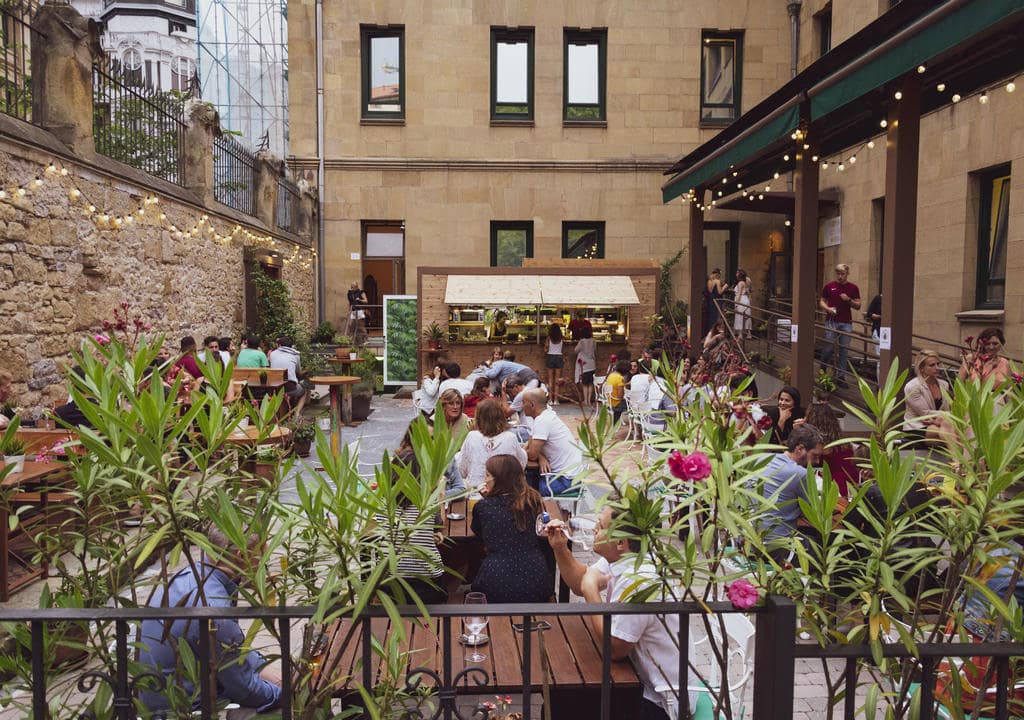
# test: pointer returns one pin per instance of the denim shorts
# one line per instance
(554, 362)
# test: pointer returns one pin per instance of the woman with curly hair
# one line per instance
(840, 458)
(518, 565)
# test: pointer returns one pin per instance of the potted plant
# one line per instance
(433, 334)
(13, 448)
(824, 385)
(768, 359)
(323, 334)
(344, 343)
(303, 433)
(786, 375)
(362, 392)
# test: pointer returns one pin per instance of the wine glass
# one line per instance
(474, 625)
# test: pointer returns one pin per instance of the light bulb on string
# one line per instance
(75, 193)
(853, 159)
(898, 95)
(871, 144)
(785, 158)
(3, 194)
(1010, 87)
(842, 167)
(984, 98)
(776, 176)
(21, 192)
(788, 222)
(37, 182)
(941, 87)
(64, 172)
(51, 168)
(955, 98)
(884, 123)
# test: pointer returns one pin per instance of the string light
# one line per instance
(1010, 87)
(941, 87)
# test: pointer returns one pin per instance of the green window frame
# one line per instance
(380, 48)
(721, 76)
(583, 239)
(511, 242)
(584, 95)
(993, 227)
(505, 46)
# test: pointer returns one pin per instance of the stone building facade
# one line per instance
(70, 255)
(446, 170)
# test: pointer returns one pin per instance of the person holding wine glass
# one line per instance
(517, 564)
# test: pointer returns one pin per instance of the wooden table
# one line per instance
(572, 652)
(346, 360)
(341, 405)
(250, 436)
(29, 487)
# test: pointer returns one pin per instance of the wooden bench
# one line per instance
(39, 439)
(252, 375)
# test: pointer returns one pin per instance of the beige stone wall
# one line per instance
(61, 276)
(848, 16)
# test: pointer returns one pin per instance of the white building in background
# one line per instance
(154, 39)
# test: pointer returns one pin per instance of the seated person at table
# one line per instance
(452, 404)
(187, 362)
(5, 393)
(286, 358)
(516, 385)
(615, 388)
(420, 565)
(481, 391)
(69, 414)
(212, 345)
(515, 567)
(840, 459)
(644, 639)
(925, 396)
(785, 414)
(551, 447)
(227, 349)
(491, 437)
(785, 479)
(445, 376)
(250, 356)
(248, 683)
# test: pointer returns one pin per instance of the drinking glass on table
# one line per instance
(474, 625)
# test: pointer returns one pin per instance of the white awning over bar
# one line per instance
(540, 290)
(587, 290)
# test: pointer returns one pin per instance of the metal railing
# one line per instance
(287, 204)
(16, 69)
(773, 696)
(136, 124)
(234, 174)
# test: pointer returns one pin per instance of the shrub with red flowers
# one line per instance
(742, 593)
(692, 467)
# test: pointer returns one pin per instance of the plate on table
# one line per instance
(481, 639)
(456, 516)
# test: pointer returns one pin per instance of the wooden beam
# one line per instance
(805, 269)
(902, 143)
(698, 276)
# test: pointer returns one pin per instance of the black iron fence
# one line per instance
(773, 695)
(287, 204)
(234, 174)
(137, 124)
(18, 36)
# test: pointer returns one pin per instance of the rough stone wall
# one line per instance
(61, 275)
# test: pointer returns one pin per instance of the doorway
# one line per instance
(723, 248)
(383, 266)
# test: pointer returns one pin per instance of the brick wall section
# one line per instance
(432, 284)
(60, 276)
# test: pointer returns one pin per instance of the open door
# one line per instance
(383, 269)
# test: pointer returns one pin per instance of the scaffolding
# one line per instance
(243, 67)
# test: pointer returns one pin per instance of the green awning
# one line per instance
(957, 27)
(776, 129)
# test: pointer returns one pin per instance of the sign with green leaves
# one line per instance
(400, 340)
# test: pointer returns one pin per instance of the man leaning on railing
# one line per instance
(649, 642)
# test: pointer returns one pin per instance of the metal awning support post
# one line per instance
(902, 144)
(698, 275)
(805, 269)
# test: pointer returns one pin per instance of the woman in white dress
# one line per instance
(491, 437)
(741, 320)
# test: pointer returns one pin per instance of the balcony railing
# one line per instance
(287, 204)
(234, 174)
(16, 58)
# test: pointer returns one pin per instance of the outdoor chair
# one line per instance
(739, 652)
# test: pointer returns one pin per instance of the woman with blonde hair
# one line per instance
(491, 437)
(925, 396)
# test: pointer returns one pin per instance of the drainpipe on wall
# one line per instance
(321, 274)
(793, 7)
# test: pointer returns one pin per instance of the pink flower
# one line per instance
(101, 339)
(969, 340)
(41, 457)
(764, 423)
(694, 466)
(742, 594)
(1017, 378)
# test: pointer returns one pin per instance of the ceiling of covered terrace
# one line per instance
(957, 49)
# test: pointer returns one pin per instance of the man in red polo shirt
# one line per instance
(838, 300)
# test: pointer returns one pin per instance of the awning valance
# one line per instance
(540, 290)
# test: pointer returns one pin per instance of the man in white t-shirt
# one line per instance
(648, 641)
(551, 446)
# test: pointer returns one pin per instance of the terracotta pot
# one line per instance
(341, 352)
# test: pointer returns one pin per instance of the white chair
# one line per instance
(739, 654)
(636, 416)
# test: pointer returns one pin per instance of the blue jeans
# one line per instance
(832, 338)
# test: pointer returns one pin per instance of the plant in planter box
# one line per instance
(786, 375)
(8, 410)
(12, 448)
(824, 384)
(433, 335)
(303, 434)
(323, 334)
(344, 342)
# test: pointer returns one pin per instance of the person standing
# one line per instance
(586, 364)
(554, 360)
(741, 320)
(357, 302)
(838, 300)
(874, 316)
(578, 324)
(715, 288)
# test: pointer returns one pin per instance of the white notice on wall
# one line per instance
(885, 338)
(353, 256)
(794, 333)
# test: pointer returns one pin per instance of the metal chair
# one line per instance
(738, 649)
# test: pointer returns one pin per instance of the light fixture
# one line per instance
(984, 98)
(75, 192)
(806, 146)
(853, 159)
(898, 95)
(3, 194)
(884, 123)
(841, 167)
(776, 176)
(871, 144)
(786, 158)
(941, 87)
(767, 188)
(725, 180)
(824, 165)
(719, 193)
(921, 69)
(64, 172)
(21, 192)
(739, 186)
(814, 158)
(38, 182)
(955, 98)
(1010, 87)
(734, 173)
(788, 222)
(760, 197)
